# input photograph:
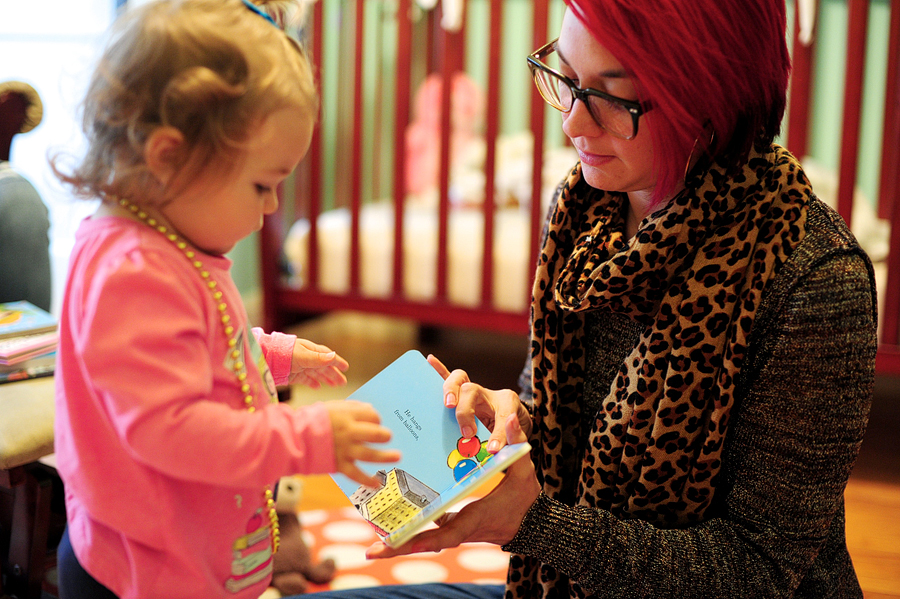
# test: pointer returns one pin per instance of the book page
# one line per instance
(438, 467)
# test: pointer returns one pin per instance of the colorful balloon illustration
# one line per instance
(468, 448)
(469, 454)
(454, 458)
(463, 467)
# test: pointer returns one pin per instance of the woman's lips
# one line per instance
(593, 159)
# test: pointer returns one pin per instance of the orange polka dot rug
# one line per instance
(342, 534)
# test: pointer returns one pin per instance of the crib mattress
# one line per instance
(512, 263)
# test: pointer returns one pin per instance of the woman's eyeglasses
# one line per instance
(616, 116)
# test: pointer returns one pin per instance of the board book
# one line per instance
(438, 467)
(43, 365)
(24, 318)
(18, 349)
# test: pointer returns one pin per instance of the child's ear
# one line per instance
(164, 152)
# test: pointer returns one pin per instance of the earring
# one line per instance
(687, 167)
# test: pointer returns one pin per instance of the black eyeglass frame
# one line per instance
(636, 109)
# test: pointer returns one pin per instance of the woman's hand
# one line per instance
(496, 518)
(314, 365)
(474, 401)
(355, 425)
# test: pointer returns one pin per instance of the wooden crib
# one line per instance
(351, 234)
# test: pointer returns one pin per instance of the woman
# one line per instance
(703, 330)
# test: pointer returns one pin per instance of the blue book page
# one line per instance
(438, 467)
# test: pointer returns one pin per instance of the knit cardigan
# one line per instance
(777, 526)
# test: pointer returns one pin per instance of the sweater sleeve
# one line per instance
(149, 344)
(793, 442)
(278, 348)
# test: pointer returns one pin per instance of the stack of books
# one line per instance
(28, 340)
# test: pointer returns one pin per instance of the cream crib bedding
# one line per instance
(511, 254)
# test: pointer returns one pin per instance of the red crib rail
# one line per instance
(444, 52)
(888, 360)
(401, 115)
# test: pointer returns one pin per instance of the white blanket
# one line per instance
(513, 263)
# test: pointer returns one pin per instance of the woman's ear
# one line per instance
(164, 152)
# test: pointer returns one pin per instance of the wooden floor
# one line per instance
(371, 343)
(873, 498)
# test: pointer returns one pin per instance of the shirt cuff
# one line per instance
(556, 534)
(278, 349)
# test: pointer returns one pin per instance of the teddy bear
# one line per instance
(293, 565)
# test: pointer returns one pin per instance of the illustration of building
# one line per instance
(400, 497)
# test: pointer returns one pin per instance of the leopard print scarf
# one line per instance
(693, 276)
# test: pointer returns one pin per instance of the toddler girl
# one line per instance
(168, 430)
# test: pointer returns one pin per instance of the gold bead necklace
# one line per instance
(232, 337)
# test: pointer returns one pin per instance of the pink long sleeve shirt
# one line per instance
(165, 468)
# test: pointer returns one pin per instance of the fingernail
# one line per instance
(449, 400)
(467, 432)
(493, 446)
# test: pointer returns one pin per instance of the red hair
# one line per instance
(701, 64)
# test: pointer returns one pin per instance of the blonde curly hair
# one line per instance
(212, 69)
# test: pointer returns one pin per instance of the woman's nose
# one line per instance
(579, 122)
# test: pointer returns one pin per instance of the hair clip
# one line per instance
(260, 12)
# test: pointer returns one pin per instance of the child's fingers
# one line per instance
(312, 346)
(312, 355)
(364, 453)
(339, 363)
(356, 422)
(304, 360)
(352, 472)
(368, 432)
(359, 410)
(325, 376)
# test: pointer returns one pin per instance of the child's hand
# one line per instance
(314, 365)
(355, 425)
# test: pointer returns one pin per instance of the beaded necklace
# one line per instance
(231, 336)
